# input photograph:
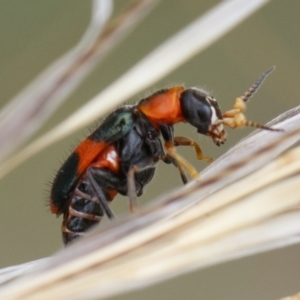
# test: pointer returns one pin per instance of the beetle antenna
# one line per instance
(256, 85)
(257, 125)
(235, 117)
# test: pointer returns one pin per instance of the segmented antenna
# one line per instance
(257, 125)
(256, 85)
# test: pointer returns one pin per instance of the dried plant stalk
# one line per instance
(294, 297)
(208, 222)
(35, 104)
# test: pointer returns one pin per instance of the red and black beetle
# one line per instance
(120, 156)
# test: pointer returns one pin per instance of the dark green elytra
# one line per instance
(114, 127)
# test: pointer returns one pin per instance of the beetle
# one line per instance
(121, 155)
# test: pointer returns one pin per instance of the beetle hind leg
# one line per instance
(100, 194)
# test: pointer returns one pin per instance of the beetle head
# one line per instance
(201, 110)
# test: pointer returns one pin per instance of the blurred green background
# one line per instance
(33, 33)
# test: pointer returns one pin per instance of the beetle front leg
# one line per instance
(170, 160)
(184, 141)
(168, 135)
(171, 151)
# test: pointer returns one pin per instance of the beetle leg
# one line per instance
(132, 189)
(138, 175)
(100, 195)
(170, 160)
(170, 147)
(184, 141)
(109, 180)
(181, 172)
(167, 132)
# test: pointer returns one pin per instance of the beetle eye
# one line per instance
(204, 113)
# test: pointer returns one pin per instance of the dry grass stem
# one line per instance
(36, 103)
(184, 230)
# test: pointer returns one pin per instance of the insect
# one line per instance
(120, 156)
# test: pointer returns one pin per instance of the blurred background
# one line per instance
(34, 33)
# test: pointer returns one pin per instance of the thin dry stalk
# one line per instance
(230, 219)
(36, 103)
